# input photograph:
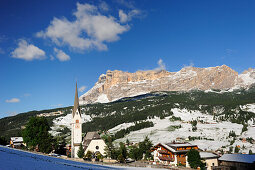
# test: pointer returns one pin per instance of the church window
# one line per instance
(77, 121)
(97, 147)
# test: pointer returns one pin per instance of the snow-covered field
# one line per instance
(248, 107)
(214, 134)
(64, 121)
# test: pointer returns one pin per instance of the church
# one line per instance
(76, 124)
(92, 141)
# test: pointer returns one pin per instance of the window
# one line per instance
(77, 121)
(97, 147)
(212, 164)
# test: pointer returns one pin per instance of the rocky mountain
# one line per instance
(117, 84)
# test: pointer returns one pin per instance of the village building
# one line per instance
(76, 124)
(94, 143)
(17, 142)
(236, 161)
(172, 153)
(210, 159)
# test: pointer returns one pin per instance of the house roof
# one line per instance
(207, 155)
(17, 139)
(244, 158)
(177, 145)
(172, 147)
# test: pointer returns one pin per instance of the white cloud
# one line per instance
(161, 65)
(62, 56)
(89, 30)
(126, 3)
(128, 17)
(191, 64)
(27, 51)
(104, 6)
(13, 100)
(82, 88)
(52, 58)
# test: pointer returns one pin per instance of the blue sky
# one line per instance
(45, 46)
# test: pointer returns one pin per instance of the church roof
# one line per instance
(89, 137)
(92, 135)
(76, 102)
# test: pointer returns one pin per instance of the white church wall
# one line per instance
(96, 145)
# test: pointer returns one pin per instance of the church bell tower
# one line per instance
(76, 123)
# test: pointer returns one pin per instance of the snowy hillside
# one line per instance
(223, 119)
(171, 115)
(213, 135)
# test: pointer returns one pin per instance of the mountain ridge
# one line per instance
(118, 84)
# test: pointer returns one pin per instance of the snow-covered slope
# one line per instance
(213, 135)
(61, 122)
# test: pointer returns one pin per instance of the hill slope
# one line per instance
(163, 116)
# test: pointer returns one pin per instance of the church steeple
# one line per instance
(76, 123)
(76, 102)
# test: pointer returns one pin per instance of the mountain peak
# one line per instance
(118, 84)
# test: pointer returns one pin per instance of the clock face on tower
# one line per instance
(77, 125)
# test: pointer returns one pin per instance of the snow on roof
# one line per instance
(169, 148)
(17, 139)
(205, 155)
(180, 144)
(245, 158)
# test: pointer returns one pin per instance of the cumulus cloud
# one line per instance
(191, 64)
(27, 51)
(13, 100)
(161, 65)
(82, 88)
(125, 17)
(61, 56)
(89, 30)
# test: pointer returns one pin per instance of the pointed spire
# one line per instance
(76, 101)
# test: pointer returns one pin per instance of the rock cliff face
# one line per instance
(118, 84)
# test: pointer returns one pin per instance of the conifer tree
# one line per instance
(80, 152)
(194, 159)
(250, 152)
(236, 149)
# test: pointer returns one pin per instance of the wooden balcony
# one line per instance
(163, 152)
